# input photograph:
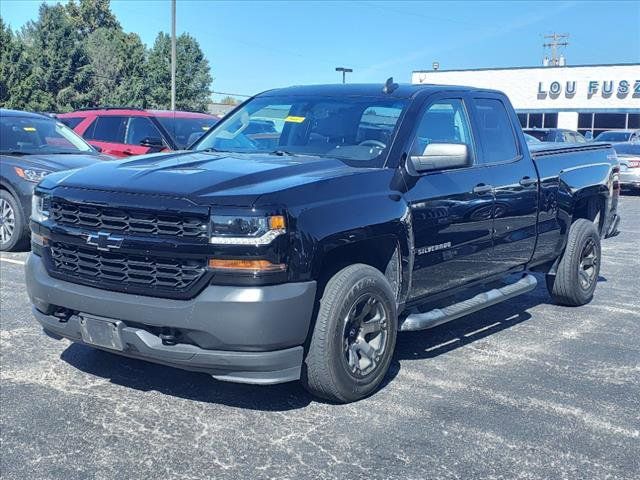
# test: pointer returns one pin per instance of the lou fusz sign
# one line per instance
(590, 89)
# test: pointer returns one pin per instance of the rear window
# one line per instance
(496, 132)
(71, 122)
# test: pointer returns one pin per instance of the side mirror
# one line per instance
(152, 142)
(439, 156)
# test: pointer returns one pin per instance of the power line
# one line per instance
(553, 45)
(232, 94)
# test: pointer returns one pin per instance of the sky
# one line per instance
(257, 45)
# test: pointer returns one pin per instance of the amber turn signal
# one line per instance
(246, 265)
(276, 222)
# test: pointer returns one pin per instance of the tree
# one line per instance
(117, 62)
(60, 72)
(9, 51)
(228, 100)
(193, 77)
(87, 16)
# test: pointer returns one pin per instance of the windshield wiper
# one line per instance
(282, 153)
(15, 152)
(214, 150)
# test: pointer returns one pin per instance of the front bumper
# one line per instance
(242, 334)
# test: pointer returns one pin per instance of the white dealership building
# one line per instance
(578, 97)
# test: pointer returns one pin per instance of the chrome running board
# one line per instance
(437, 316)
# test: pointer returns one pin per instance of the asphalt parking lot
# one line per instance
(525, 389)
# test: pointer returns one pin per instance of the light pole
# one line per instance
(344, 72)
(173, 54)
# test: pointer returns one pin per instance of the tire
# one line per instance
(575, 281)
(354, 336)
(13, 227)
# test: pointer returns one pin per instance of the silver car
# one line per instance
(629, 157)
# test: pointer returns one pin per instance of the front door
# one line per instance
(451, 208)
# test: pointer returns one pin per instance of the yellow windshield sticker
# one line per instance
(205, 128)
(293, 119)
(29, 129)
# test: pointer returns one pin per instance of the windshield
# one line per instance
(28, 135)
(185, 131)
(350, 128)
(614, 136)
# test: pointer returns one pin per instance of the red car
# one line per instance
(122, 132)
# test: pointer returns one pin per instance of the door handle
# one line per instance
(482, 188)
(526, 181)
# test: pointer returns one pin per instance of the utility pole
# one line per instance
(173, 54)
(344, 72)
(555, 42)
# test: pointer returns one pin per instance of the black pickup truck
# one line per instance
(299, 251)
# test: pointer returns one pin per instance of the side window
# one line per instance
(444, 121)
(71, 122)
(140, 128)
(495, 131)
(107, 129)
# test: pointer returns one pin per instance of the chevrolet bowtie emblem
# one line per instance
(104, 241)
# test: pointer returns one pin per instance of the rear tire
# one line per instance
(354, 336)
(13, 227)
(577, 274)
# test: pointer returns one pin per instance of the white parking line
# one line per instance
(11, 260)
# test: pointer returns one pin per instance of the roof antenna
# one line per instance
(389, 86)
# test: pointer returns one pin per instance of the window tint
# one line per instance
(71, 122)
(140, 128)
(444, 121)
(495, 131)
(107, 129)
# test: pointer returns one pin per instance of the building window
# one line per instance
(550, 120)
(608, 121)
(585, 123)
(523, 119)
(535, 120)
(634, 120)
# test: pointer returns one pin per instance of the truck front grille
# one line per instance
(131, 273)
(129, 221)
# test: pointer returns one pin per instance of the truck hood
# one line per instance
(203, 177)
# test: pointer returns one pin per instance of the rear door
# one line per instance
(451, 207)
(514, 180)
(107, 132)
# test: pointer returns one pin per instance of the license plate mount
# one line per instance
(101, 332)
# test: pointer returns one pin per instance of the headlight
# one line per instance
(31, 174)
(39, 208)
(245, 230)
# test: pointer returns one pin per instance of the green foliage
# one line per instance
(228, 100)
(77, 55)
(118, 67)
(193, 79)
(90, 15)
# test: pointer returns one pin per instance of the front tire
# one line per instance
(354, 336)
(577, 275)
(13, 228)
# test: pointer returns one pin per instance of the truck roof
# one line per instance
(403, 90)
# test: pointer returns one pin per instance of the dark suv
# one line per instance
(123, 132)
(31, 147)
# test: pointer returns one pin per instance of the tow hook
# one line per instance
(169, 336)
